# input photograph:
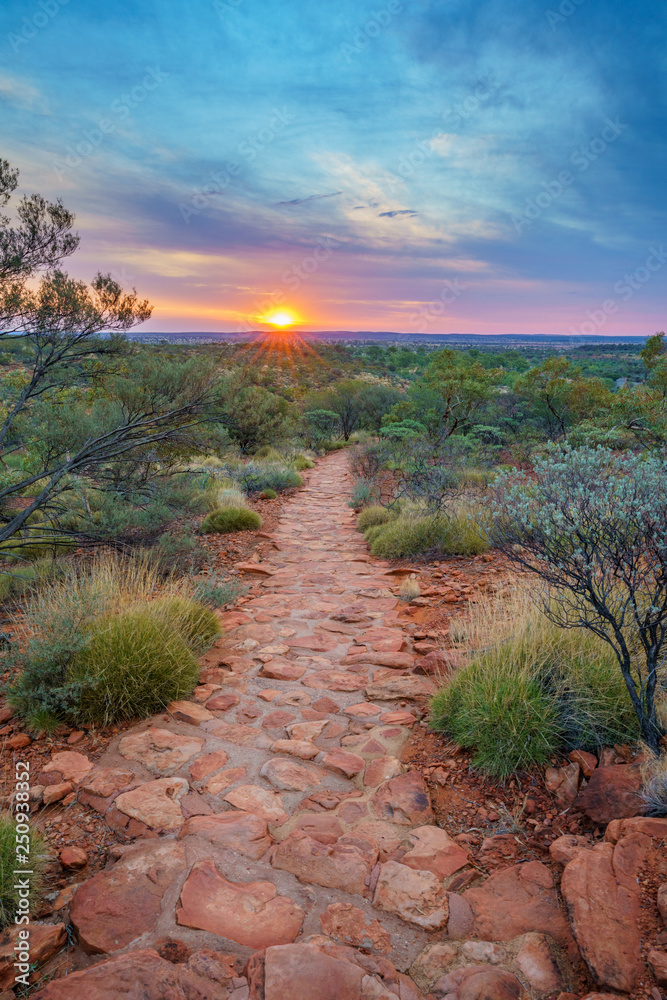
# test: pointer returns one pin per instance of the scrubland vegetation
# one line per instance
(556, 458)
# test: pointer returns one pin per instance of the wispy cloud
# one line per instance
(311, 197)
(397, 211)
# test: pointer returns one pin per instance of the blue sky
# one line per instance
(416, 166)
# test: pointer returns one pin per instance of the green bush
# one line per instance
(364, 493)
(179, 552)
(268, 451)
(103, 647)
(372, 516)
(9, 897)
(328, 445)
(301, 463)
(535, 691)
(268, 495)
(216, 590)
(411, 535)
(229, 519)
(254, 477)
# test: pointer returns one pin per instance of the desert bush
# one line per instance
(109, 642)
(654, 787)
(179, 552)
(267, 451)
(301, 463)
(17, 579)
(414, 533)
(372, 516)
(329, 445)
(229, 519)
(531, 690)
(364, 493)
(409, 589)
(9, 897)
(216, 590)
(268, 495)
(253, 477)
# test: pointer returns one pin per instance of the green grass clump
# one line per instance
(229, 519)
(268, 495)
(9, 898)
(411, 535)
(108, 643)
(301, 463)
(532, 691)
(372, 516)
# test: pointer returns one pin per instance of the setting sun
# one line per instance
(281, 319)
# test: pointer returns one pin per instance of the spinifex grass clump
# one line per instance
(9, 889)
(229, 519)
(107, 643)
(371, 516)
(531, 690)
(415, 532)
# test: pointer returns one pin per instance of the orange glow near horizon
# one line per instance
(281, 319)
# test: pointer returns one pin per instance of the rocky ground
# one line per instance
(293, 832)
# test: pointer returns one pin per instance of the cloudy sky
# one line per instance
(480, 166)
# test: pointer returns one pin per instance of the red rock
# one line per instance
(535, 961)
(319, 826)
(658, 962)
(55, 793)
(651, 826)
(662, 901)
(249, 913)
(45, 941)
(612, 793)
(160, 750)
(326, 705)
(114, 907)
(399, 718)
(567, 847)
(232, 619)
(282, 670)
(439, 662)
(343, 762)
(18, 742)
(404, 800)
(303, 749)
(586, 761)
(602, 897)
(334, 680)
(258, 801)
(207, 764)
(416, 896)
(189, 711)
(286, 775)
(156, 803)
(257, 568)
(479, 982)
(73, 857)
(364, 710)
(515, 901)
(223, 702)
(239, 735)
(335, 866)
(277, 720)
(434, 851)
(106, 781)
(396, 661)
(223, 779)
(350, 925)
(75, 737)
(381, 769)
(139, 975)
(238, 831)
(315, 643)
(563, 782)
(409, 688)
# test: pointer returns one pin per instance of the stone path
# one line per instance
(272, 819)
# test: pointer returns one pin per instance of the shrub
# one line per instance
(254, 477)
(180, 552)
(409, 589)
(229, 519)
(654, 790)
(372, 516)
(9, 897)
(268, 451)
(410, 535)
(533, 690)
(268, 495)
(364, 492)
(216, 590)
(17, 579)
(301, 463)
(332, 445)
(103, 647)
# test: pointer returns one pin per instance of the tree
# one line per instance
(561, 396)
(653, 350)
(253, 415)
(463, 386)
(81, 399)
(593, 526)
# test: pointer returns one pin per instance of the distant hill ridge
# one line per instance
(519, 339)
